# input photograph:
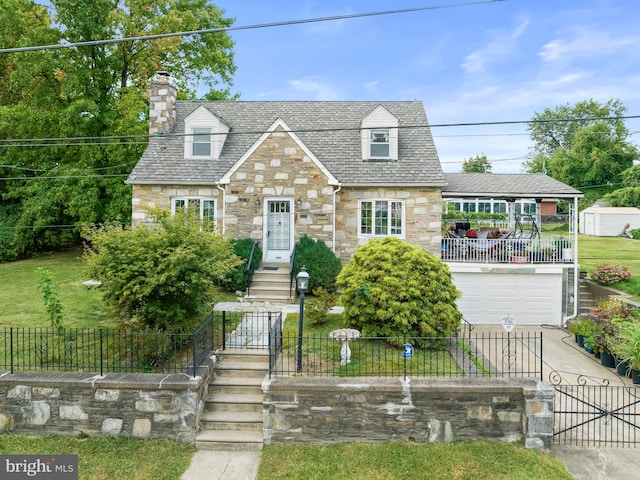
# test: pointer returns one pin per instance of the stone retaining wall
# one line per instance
(137, 405)
(328, 410)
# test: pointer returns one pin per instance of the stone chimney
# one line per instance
(162, 104)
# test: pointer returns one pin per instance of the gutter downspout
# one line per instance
(333, 233)
(576, 265)
(224, 207)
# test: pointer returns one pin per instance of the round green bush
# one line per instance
(392, 288)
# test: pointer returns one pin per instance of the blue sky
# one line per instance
(498, 61)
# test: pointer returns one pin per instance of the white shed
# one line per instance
(608, 221)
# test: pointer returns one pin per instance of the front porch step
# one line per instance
(270, 283)
(233, 421)
(229, 440)
(232, 417)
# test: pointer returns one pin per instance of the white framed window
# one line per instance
(201, 142)
(380, 143)
(381, 218)
(203, 208)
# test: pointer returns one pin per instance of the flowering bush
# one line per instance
(611, 274)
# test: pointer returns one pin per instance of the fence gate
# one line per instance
(597, 415)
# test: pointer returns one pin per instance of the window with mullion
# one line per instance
(381, 218)
(201, 142)
(380, 143)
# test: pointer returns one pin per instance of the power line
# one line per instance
(238, 28)
(48, 142)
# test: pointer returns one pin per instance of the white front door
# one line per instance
(278, 233)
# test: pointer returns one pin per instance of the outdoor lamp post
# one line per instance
(302, 280)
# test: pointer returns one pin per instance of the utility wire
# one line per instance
(49, 141)
(238, 28)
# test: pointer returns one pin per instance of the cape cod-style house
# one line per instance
(344, 173)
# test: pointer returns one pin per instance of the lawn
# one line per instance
(480, 460)
(22, 303)
(109, 458)
(82, 306)
(595, 251)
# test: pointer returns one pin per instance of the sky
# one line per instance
(468, 63)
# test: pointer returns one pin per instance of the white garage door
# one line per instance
(532, 299)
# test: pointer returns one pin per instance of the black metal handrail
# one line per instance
(291, 270)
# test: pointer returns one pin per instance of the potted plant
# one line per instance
(603, 340)
(582, 328)
(627, 347)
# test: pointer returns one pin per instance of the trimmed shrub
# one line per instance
(391, 288)
(239, 278)
(608, 275)
(317, 308)
(321, 263)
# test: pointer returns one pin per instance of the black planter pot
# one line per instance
(635, 376)
(580, 340)
(607, 360)
(622, 368)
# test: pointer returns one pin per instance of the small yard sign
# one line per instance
(509, 323)
(408, 351)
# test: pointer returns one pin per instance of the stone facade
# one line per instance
(422, 223)
(137, 405)
(328, 410)
(280, 169)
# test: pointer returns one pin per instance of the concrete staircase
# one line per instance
(232, 417)
(270, 284)
(585, 298)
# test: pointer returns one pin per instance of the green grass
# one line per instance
(321, 355)
(82, 307)
(478, 460)
(595, 251)
(22, 304)
(109, 458)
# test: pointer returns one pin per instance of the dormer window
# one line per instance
(380, 143)
(201, 146)
(380, 135)
(205, 134)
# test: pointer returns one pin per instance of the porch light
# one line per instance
(257, 203)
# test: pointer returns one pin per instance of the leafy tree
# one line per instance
(91, 92)
(629, 194)
(582, 145)
(159, 275)
(477, 164)
(392, 288)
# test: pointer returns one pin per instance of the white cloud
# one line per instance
(502, 45)
(585, 42)
(315, 88)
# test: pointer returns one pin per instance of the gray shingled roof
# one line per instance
(487, 185)
(338, 148)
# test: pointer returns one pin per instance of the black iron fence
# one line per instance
(105, 350)
(479, 355)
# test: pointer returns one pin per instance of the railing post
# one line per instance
(101, 360)
(224, 331)
(193, 342)
(541, 362)
(11, 348)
